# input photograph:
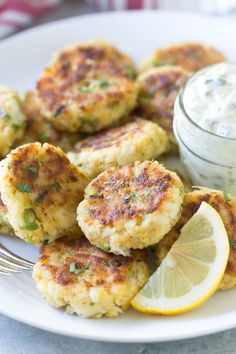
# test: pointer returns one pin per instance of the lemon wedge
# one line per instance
(192, 270)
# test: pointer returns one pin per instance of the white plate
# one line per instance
(138, 33)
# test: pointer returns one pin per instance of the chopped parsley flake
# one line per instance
(145, 95)
(32, 169)
(73, 269)
(103, 83)
(19, 126)
(148, 192)
(84, 89)
(129, 196)
(232, 244)
(226, 196)
(45, 242)
(4, 115)
(24, 187)
(181, 189)
(109, 182)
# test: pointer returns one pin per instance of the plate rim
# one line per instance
(196, 332)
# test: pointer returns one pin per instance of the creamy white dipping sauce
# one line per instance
(205, 127)
(210, 99)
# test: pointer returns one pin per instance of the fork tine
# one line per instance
(13, 264)
(14, 257)
(4, 273)
(6, 268)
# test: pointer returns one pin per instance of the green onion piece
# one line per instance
(24, 187)
(226, 196)
(29, 217)
(32, 169)
(232, 244)
(87, 266)
(145, 95)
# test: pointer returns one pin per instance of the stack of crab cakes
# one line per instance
(96, 209)
(126, 208)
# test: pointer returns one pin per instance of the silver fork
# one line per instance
(11, 263)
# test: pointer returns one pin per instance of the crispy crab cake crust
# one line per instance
(227, 211)
(103, 286)
(158, 89)
(12, 119)
(85, 93)
(97, 52)
(40, 130)
(5, 226)
(190, 56)
(41, 190)
(131, 206)
(118, 146)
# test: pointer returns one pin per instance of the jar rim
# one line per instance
(181, 104)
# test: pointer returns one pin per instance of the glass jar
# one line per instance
(210, 159)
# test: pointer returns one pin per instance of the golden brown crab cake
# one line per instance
(137, 141)
(12, 119)
(5, 226)
(98, 53)
(38, 129)
(158, 89)
(41, 190)
(79, 277)
(86, 95)
(131, 206)
(225, 205)
(191, 56)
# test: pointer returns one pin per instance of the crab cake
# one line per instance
(191, 56)
(5, 227)
(40, 130)
(225, 205)
(158, 89)
(77, 93)
(73, 274)
(137, 141)
(12, 119)
(41, 190)
(131, 206)
(98, 53)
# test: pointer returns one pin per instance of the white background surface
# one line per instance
(19, 338)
